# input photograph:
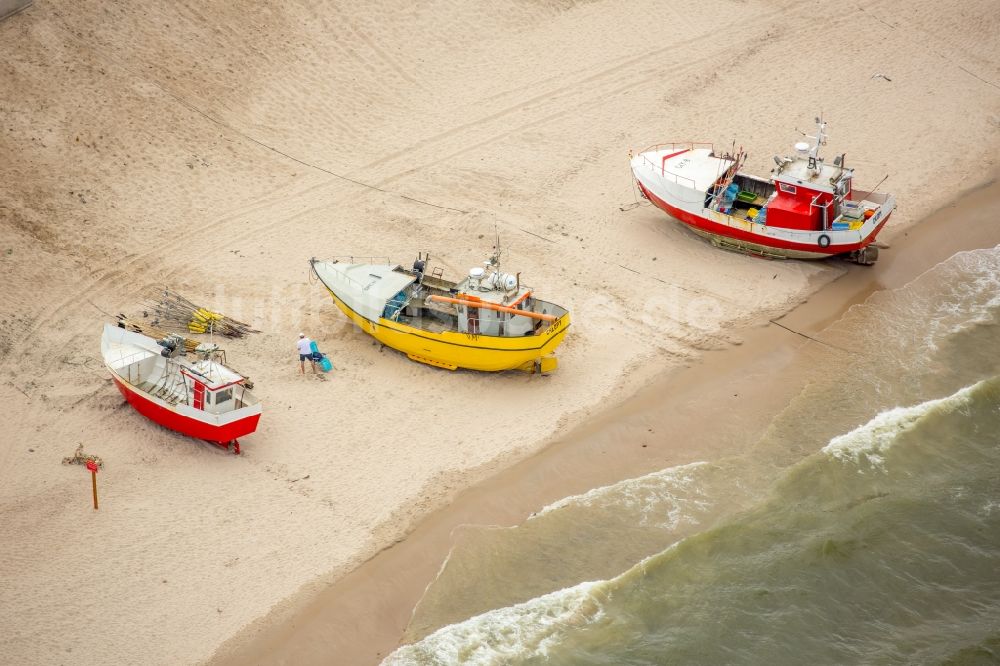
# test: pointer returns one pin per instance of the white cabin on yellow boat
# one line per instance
(488, 321)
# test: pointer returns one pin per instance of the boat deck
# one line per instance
(696, 168)
(433, 318)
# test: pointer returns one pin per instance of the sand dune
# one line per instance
(215, 148)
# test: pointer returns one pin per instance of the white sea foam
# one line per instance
(661, 499)
(874, 438)
(953, 296)
(976, 288)
(499, 636)
(965, 293)
(990, 507)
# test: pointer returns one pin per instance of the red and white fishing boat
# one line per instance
(199, 397)
(807, 209)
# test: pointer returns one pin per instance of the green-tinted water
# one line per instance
(863, 528)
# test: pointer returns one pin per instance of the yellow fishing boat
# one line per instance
(488, 321)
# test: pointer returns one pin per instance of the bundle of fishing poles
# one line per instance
(172, 311)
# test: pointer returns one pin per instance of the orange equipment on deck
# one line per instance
(492, 306)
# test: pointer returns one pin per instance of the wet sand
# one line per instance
(710, 409)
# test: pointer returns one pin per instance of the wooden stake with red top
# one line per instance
(92, 466)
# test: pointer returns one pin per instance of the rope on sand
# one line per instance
(809, 337)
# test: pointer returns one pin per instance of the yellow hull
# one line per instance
(452, 350)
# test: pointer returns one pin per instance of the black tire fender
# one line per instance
(823, 240)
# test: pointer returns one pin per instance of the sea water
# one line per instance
(863, 527)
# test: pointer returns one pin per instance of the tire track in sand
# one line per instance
(575, 89)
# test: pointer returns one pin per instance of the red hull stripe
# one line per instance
(186, 425)
(663, 164)
(717, 229)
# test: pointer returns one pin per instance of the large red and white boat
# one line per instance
(807, 209)
(198, 396)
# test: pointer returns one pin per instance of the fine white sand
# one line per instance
(213, 149)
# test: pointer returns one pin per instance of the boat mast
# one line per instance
(496, 252)
(730, 176)
(820, 140)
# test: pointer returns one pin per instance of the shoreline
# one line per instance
(360, 616)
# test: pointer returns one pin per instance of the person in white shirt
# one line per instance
(305, 352)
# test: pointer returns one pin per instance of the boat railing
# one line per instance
(343, 276)
(837, 236)
(127, 362)
(351, 259)
(874, 197)
(677, 178)
(677, 145)
(747, 225)
(667, 147)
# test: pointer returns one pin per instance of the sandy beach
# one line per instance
(215, 149)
